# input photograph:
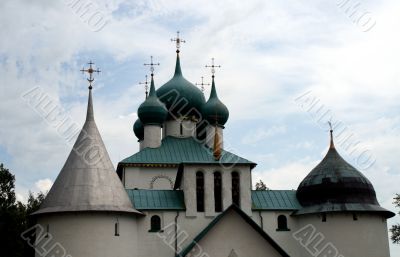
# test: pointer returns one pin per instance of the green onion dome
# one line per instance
(214, 110)
(182, 98)
(152, 111)
(336, 186)
(138, 129)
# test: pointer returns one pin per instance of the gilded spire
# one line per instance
(217, 145)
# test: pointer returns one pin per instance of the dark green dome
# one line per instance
(181, 97)
(214, 110)
(138, 129)
(335, 185)
(152, 111)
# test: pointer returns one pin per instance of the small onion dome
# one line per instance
(152, 111)
(138, 129)
(182, 98)
(214, 110)
(335, 185)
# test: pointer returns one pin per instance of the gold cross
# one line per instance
(151, 64)
(178, 41)
(90, 70)
(146, 86)
(213, 66)
(202, 84)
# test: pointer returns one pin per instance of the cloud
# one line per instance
(260, 134)
(43, 185)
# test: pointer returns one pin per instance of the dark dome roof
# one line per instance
(335, 184)
(214, 109)
(180, 96)
(138, 129)
(152, 111)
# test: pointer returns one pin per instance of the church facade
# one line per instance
(182, 194)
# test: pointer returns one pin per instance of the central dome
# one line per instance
(182, 98)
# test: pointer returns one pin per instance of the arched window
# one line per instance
(218, 191)
(155, 223)
(282, 223)
(200, 191)
(236, 188)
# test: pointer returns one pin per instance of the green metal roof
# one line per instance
(275, 200)
(182, 150)
(186, 251)
(156, 199)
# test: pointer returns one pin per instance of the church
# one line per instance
(184, 195)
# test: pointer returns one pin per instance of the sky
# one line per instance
(287, 68)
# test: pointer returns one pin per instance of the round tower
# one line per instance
(138, 129)
(152, 113)
(216, 114)
(339, 203)
(87, 212)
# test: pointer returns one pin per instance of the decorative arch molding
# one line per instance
(233, 254)
(161, 176)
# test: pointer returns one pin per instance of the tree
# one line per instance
(260, 186)
(15, 217)
(7, 194)
(396, 228)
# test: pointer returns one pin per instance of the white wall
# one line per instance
(189, 188)
(366, 237)
(146, 177)
(84, 234)
(172, 128)
(152, 136)
(232, 233)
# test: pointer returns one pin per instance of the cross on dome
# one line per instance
(146, 86)
(90, 70)
(202, 84)
(213, 66)
(151, 64)
(178, 41)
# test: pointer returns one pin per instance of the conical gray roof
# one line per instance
(88, 181)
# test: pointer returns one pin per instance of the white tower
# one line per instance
(87, 211)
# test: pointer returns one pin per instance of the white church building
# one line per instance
(183, 195)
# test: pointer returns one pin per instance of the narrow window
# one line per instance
(282, 223)
(181, 128)
(236, 188)
(116, 228)
(200, 191)
(47, 230)
(355, 217)
(323, 217)
(155, 224)
(218, 191)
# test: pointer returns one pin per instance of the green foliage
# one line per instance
(396, 228)
(7, 194)
(260, 186)
(15, 217)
